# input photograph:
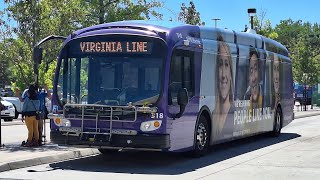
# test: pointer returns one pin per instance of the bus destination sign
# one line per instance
(116, 47)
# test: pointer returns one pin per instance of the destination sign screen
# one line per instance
(128, 47)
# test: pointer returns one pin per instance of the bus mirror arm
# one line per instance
(183, 100)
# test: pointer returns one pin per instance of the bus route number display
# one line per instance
(116, 47)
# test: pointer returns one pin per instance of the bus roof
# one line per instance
(208, 33)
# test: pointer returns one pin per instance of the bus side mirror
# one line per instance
(183, 100)
(37, 55)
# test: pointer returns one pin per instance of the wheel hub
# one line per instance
(278, 122)
(201, 136)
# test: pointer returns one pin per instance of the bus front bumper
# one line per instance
(140, 141)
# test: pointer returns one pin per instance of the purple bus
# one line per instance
(136, 85)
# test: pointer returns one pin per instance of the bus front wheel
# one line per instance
(201, 140)
(277, 124)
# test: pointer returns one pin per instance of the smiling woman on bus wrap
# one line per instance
(223, 108)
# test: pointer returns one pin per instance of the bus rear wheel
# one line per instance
(201, 140)
(277, 124)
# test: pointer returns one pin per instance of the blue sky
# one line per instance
(233, 13)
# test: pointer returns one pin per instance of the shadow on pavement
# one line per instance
(14, 147)
(168, 163)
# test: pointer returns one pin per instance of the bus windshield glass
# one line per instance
(113, 77)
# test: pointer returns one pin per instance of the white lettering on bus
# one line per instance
(244, 116)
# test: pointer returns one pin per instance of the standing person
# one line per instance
(222, 114)
(30, 109)
(42, 95)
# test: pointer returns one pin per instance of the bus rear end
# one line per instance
(108, 91)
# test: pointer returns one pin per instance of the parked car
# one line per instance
(16, 103)
(2, 92)
(8, 111)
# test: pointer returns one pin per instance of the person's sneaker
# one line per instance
(35, 144)
(28, 144)
(40, 143)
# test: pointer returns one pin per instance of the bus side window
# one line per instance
(181, 75)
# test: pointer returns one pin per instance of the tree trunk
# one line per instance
(101, 12)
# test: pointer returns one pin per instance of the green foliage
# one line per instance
(102, 11)
(302, 41)
(263, 27)
(37, 19)
(190, 15)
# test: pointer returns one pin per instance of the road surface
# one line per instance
(294, 155)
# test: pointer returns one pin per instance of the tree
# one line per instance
(5, 34)
(37, 19)
(288, 32)
(302, 40)
(263, 27)
(299, 38)
(103, 11)
(190, 15)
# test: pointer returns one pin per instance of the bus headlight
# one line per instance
(62, 122)
(150, 125)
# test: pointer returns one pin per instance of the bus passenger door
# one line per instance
(181, 81)
(182, 120)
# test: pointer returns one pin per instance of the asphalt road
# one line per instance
(294, 155)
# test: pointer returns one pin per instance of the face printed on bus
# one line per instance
(224, 68)
(276, 74)
(254, 77)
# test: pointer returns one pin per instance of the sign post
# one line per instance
(0, 125)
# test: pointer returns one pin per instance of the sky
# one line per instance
(233, 13)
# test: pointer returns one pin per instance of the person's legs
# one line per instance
(40, 129)
(35, 130)
(29, 124)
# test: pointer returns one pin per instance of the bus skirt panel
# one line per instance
(147, 141)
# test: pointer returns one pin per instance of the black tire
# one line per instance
(108, 151)
(7, 119)
(201, 138)
(277, 124)
(16, 113)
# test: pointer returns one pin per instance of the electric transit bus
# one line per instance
(136, 85)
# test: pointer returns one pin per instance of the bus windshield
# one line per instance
(111, 78)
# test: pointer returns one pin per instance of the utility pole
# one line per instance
(215, 21)
(252, 13)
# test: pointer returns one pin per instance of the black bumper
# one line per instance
(143, 141)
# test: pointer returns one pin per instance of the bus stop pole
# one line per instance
(0, 126)
(0, 131)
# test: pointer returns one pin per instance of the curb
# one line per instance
(48, 159)
(307, 115)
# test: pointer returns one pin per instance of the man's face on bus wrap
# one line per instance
(276, 74)
(224, 71)
(254, 77)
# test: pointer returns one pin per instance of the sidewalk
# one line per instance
(13, 156)
(310, 112)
